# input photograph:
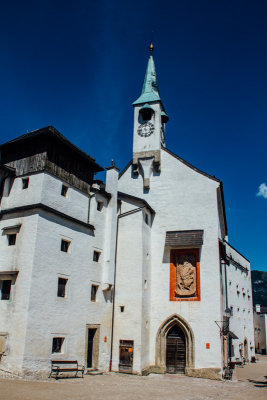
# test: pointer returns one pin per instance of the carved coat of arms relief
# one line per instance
(186, 283)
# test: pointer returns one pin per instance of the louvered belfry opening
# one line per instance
(175, 351)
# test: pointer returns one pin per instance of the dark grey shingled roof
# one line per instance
(184, 238)
(59, 136)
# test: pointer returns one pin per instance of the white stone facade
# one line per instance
(240, 302)
(176, 208)
(260, 330)
(90, 274)
(34, 314)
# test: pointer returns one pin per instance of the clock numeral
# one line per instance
(145, 129)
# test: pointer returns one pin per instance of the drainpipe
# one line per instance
(226, 289)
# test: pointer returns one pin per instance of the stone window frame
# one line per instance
(11, 239)
(62, 288)
(94, 290)
(99, 205)
(65, 245)
(3, 343)
(173, 254)
(64, 191)
(25, 183)
(11, 233)
(96, 256)
(61, 346)
(4, 295)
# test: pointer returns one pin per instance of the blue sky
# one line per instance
(79, 65)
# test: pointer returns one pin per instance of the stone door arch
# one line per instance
(162, 338)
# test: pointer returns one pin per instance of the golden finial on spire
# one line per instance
(151, 48)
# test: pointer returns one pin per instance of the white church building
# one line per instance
(133, 275)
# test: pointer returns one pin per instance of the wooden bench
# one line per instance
(58, 366)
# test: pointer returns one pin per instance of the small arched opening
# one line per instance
(145, 114)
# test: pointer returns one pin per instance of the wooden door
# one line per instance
(246, 350)
(175, 351)
(126, 356)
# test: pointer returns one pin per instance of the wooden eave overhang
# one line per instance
(6, 228)
(232, 247)
(9, 272)
(9, 171)
(232, 335)
(53, 132)
(101, 191)
(188, 238)
(125, 196)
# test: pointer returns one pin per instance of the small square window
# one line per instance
(122, 308)
(96, 256)
(94, 289)
(11, 237)
(57, 344)
(100, 205)
(5, 289)
(65, 245)
(25, 183)
(61, 288)
(64, 190)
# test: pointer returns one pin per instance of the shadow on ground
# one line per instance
(259, 383)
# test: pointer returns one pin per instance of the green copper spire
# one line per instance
(150, 91)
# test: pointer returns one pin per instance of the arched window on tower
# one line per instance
(145, 114)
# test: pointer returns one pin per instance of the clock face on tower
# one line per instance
(145, 129)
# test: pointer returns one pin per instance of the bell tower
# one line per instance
(149, 125)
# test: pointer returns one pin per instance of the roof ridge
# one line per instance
(59, 135)
(190, 165)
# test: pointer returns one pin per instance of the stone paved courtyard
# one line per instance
(251, 383)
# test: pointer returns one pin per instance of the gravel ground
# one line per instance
(251, 383)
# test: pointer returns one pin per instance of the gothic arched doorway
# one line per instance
(175, 350)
